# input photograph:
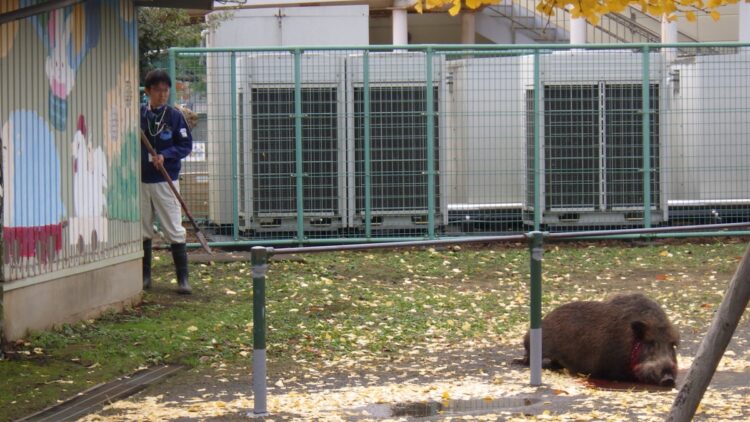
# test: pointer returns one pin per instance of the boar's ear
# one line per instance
(639, 329)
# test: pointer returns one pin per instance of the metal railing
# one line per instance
(613, 27)
(336, 145)
(535, 240)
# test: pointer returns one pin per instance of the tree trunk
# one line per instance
(714, 344)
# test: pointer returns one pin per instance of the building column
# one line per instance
(669, 36)
(744, 22)
(400, 22)
(578, 30)
(468, 27)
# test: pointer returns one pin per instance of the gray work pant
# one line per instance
(158, 200)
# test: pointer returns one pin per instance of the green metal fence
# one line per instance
(343, 144)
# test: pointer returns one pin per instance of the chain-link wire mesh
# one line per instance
(338, 145)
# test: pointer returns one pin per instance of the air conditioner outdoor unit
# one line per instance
(591, 130)
(398, 143)
(268, 148)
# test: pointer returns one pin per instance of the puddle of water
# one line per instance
(451, 407)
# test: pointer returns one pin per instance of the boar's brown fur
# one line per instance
(626, 338)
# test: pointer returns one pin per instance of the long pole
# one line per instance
(646, 135)
(198, 232)
(298, 155)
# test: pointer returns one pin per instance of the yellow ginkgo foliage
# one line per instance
(592, 10)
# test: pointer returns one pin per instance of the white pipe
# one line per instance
(400, 27)
(468, 28)
(744, 22)
(260, 389)
(535, 356)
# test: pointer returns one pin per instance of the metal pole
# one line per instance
(235, 169)
(366, 146)
(537, 144)
(298, 145)
(536, 249)
(430, 109)
(172, 69)
(259, 257)
(646, 106)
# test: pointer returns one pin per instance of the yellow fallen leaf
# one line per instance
(192, 329)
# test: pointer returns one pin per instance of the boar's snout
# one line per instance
(667, 380)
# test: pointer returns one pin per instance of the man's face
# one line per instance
(158, 94)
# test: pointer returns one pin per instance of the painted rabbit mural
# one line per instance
(68, 34)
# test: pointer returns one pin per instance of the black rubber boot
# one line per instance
(179, 255)
(147, 264)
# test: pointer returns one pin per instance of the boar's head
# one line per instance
(653, 359)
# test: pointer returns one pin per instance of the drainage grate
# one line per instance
(452, 407)
(96, 397)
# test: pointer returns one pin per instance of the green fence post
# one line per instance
(366, 146)
(537, 144)
(172, 69)
(430, 109)
(536, 250)
(235, 168)
(259, 259)
(646, 123)
(299, 168)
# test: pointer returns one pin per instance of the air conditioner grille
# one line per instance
(398, 148)
(273, 141)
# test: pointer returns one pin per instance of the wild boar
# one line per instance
(626, 338)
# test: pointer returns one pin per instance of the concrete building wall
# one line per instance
(705, 29)
(73, 298)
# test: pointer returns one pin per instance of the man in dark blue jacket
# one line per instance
(169, 134)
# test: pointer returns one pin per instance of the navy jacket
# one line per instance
(170, 136)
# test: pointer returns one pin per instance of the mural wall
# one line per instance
(68, 124)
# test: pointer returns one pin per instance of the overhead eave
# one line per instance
(177, 4)
(25, 12)
(48, 6)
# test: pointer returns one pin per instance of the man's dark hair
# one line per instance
(155, 77)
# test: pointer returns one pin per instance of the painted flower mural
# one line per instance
(33, 207)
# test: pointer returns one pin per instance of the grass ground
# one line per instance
(357, 307)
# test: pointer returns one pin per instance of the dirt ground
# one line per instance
(484, 376)
(475, 380)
